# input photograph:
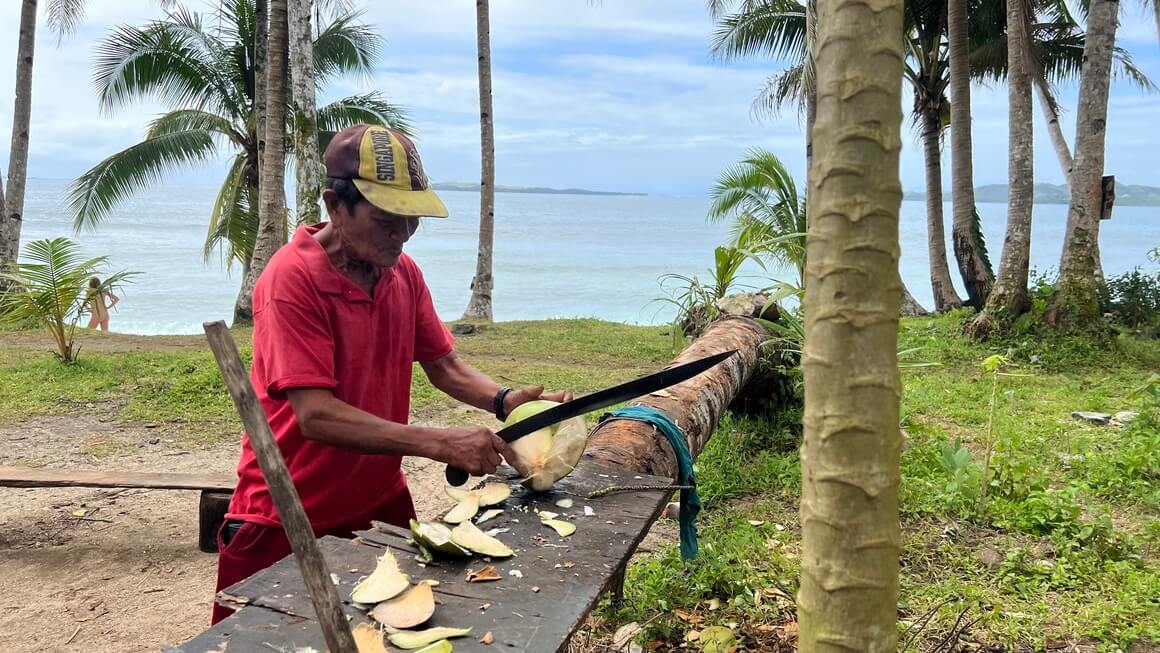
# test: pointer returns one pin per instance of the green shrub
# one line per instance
(1133, 299)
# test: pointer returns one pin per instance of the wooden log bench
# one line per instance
(216, 490)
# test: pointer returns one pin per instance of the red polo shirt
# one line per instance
(314, 328)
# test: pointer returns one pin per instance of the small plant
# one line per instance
(1132, 298)
(957, 461)
(50, 287)
(992, 364)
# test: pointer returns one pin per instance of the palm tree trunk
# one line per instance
(850, 456)
(940, 274)
(308, 168)
(479, 307)
(1009, 298)
(272, 201)
(1075, 304)
(1054, 128)
(973, 268)
(811, 89)
(12, 215)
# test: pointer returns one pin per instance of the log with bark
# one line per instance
(695, 405)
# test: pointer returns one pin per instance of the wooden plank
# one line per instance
(570, 573)
(40, 477)
(255, 629)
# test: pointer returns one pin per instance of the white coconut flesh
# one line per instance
(470, 501)
(549, 454)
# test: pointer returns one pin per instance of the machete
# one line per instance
(597, 400)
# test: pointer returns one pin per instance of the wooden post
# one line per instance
(327, 605)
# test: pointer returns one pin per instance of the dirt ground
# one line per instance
(101, 570)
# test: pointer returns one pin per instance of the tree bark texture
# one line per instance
(1054, 128)
(1075, 304)
(850, 455)
(695, 405)
(480, 305)
(945, 297)
(308, 165)
(12, 214)
(1009, 297)
(272, 200)
(811, 89)
(910, 306)
(966, 237)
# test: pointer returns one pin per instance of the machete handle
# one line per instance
(455, 476)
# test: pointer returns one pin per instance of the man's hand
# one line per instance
(474, 449)
(532, 393)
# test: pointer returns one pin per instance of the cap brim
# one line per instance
(408, 203)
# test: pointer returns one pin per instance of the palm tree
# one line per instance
(272, 223)
(970, 250)
(479, 306)
(850, 452)
(308, 165)
(203, 67)
(759, 196)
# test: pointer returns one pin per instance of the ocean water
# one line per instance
(555, 255)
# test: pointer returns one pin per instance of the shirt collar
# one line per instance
(325, 276)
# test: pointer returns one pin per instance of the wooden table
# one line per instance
(562, 578)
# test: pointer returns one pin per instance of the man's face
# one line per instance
(369, 234)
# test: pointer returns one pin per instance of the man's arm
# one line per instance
(455, 377)
(326, 418)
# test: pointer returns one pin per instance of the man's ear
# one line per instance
(331, 201)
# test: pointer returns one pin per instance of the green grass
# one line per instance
(1072, 514)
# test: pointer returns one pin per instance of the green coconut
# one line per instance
(413, 639)
(436, 537)
(549, 454)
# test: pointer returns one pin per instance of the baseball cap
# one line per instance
(384, 165)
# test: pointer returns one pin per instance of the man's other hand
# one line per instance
(474, 449)
(532, 393)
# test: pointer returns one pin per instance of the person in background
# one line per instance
(98, 310)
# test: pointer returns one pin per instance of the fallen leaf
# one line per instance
(80, 512)
(755, 522)
(655, 644)
(692, 635)
(687, 617)
(483, 574)
(487, 638)
(624, 635)
(714, 604)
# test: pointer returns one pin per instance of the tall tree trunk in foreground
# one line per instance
(1054, 128)
(811, 88)
(308, 167)
(850, 455)
(965, 234)
(272, 200)
(479, 307)
(1075, 304)
(945, 297)
(12, 204)
(1009, 298)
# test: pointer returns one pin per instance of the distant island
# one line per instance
(1126, 194)
(474, 187)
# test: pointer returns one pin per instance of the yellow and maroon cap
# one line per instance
(384, 165)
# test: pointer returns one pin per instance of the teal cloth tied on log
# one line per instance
(690, 500)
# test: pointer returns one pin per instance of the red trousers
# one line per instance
(255, 547)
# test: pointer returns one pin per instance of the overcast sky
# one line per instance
(609, 96)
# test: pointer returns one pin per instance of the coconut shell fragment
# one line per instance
(468, 536)
(470, 501)
(385, 582)
(407, 610)
(368, 639)
(413, 639)
(436, 537)
(442, 646)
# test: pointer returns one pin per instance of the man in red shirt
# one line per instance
(340, 316)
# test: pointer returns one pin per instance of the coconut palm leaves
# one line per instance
(50, 287)
(759, 196)
(202, 66)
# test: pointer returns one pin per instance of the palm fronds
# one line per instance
(49, 286)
